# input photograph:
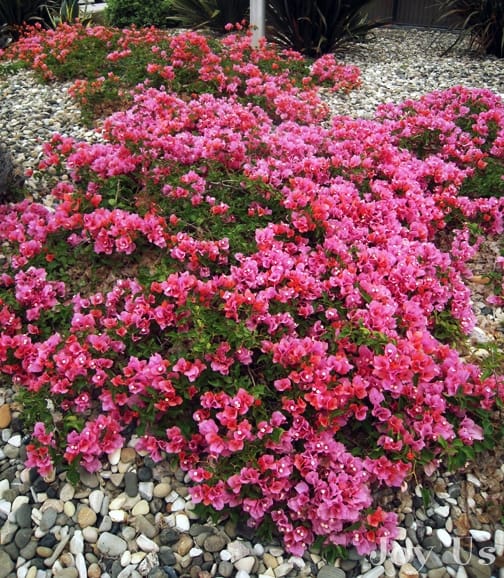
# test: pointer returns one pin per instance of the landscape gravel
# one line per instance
(134, 518)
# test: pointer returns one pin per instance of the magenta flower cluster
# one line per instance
(267, 291)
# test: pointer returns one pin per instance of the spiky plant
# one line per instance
(316, 27)
(482, 20)
(15, 13)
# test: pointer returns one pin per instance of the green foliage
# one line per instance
(35, 407)
(67, 12)
(316, 27)
(457, 454)
(493, 362)
(213, 14)
(486, 182)
(332, 552)
(482, 19)
(11, 67)
(141, 13)
(446, 328)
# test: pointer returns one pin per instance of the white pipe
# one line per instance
(257, 20)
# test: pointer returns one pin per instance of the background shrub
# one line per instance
(123, 13)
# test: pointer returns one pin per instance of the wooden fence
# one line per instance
(422, 13)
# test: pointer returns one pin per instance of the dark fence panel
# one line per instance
(380, 10)
(406, 12)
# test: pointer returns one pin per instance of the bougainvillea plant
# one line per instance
(233, 279)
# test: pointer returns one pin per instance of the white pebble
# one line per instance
(146, 490)
(67, 492)
(182, 523)
(5, 508)
(473, 480)
(18, 500)
(283, 569)
(499, 542)
(118, 502)
(443, 511)
(53, 504)
(397, 554)
(90, 534)
(96, 500)
(246, 564)
(4, 486)
(80, 564)
(297, 561)
(77, 543)
(137, 557)
(24, 476)
(480, 535)
(118, 515)
(242, 574)
(172, 496)
(114, 457)
(22, 571)
(479, 336)
(69, 509)
(141, 508)
(375, 572)
(444, 537)
(126, 558)
(15, 440)
(128, 572)
(146, 544)
(178, 505)
(390, 570)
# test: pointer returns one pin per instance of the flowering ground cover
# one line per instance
(235, 281)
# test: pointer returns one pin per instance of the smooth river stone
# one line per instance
(5, 416)
(111, 545)
(86, 517)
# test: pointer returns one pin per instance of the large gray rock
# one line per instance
(6, 564)
(11, 178)
(111, 545)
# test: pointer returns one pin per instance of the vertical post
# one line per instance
(257, 20)
(395, 11)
